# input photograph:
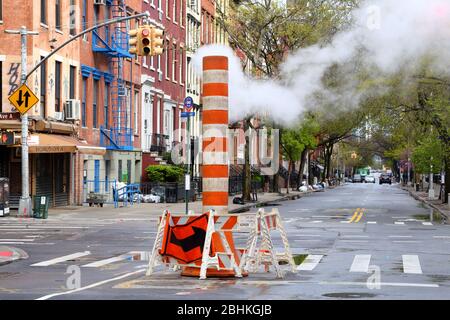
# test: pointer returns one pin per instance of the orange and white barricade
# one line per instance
(201, 242)
(265, 253)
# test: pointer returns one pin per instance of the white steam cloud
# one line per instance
(387, 36)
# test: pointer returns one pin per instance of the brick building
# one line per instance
(54, 143)
(110, 90)
(163, 82)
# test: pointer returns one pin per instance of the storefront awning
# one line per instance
(55, 143)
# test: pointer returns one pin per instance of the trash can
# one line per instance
(40, 207)
(417, 187)
(4, 197)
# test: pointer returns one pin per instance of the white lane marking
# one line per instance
(400, 236)
(399, 223)
(361, 263)
(308, 235)
(310, 262)
(351, 236)
(16, 240)
(317, 221)
(37, 227)
(345, 221)
(427, 223)
(29, 243)
(371, 222)
(61, 259)
(406, 241)
(411, 264)
(307, 240)
(91, 285)
(356, 241)
(104, 262)
(328, 216)
(441, 237)
(390, 284)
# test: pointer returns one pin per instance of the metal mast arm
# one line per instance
(111, 21)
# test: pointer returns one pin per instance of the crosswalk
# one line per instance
(359, 264)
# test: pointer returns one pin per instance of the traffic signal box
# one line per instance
(146, 41)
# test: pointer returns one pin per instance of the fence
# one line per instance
(110, 192)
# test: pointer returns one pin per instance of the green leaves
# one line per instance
(428, 154)
(164, 173)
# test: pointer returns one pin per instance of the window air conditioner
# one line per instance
(72, 109)
(59, 116)
(100, 2)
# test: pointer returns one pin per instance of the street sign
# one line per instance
(188, 104)
(23, 99)
(9, 116)
(187, 114)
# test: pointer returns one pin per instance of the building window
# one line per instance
(72, 76)
(152, 66)
(43, 87)
(72, 18)
(144, 62)
(136, 111)
(84, 19)
(58, 14)
(181, 13)
(57, 86)
(167, 63)
(106, 105)
(119, 171)
(44, 11)
(83, 103)
(174, 10)
(1, 11)
(174, 62)
(94, 105)
(181, 67)
(167, 9)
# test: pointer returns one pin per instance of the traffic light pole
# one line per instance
(117, 20)
(188, 163)
(25, 200)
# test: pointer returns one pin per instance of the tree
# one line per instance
(267, 30)
(292, 147)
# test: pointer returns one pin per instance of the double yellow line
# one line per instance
(357, 215)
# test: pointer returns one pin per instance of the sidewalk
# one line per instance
(141, 210)
(442, 208)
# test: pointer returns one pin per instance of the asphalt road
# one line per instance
(363, 241)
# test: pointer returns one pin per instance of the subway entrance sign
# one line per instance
(23, 99)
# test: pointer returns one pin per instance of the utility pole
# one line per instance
(187, 182)
(25, 200)
(431, 185)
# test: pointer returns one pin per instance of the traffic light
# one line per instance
(145, 40)
(157, 41)
(133, 41)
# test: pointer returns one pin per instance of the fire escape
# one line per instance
(113, 42)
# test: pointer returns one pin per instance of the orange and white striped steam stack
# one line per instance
(214, 133)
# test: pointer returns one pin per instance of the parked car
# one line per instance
(357, 178)
(385, 178)
(369, 179)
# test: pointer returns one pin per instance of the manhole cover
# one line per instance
(350, 295)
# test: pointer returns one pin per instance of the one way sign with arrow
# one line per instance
(23, 99)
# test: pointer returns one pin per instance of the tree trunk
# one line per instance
(288, 184)
(246, 181)
(447, 178)
(303, 159)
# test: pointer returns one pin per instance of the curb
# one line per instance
(283, 198)
(442, 213)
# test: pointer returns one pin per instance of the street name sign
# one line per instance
(23, 99)
(187, 114)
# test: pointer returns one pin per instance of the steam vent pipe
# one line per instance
(214, 132)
